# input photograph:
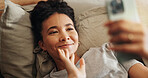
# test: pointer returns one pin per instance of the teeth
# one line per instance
(65, 43)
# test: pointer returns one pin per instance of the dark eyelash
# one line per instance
(53, 32)
(70, 29)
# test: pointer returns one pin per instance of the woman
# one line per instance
(54, 29)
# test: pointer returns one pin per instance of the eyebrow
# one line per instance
(69, 24)
(51, 28)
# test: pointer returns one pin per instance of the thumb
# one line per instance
(82, 65)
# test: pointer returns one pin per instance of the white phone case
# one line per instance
(126, 9)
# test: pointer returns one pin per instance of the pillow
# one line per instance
(80, 6)
(16, 48)
(92, 32)
(28, 7)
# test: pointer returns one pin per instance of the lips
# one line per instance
(66, 45)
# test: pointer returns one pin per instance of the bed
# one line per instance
(16, 50)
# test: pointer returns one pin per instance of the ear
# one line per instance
(42, 45)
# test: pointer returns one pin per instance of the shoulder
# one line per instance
(98, 51)
(102, 49)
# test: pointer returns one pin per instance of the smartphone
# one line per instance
(123, 9)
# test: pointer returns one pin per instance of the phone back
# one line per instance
(122, 9)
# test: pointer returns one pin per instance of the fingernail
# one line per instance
(59, 49)
(110, 46)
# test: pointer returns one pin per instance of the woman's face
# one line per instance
(58, 32)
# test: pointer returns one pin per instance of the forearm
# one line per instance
(138, 71)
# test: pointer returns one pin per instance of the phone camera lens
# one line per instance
(117, 6)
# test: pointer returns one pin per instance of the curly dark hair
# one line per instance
(43, 10)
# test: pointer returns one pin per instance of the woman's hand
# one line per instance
(128, 37)
(73, 71)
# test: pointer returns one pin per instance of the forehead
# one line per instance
(57, 20)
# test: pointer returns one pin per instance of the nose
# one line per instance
(64, 37)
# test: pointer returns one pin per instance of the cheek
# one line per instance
(75, 37)
(75, 47)
(50, 42)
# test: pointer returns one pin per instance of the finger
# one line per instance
(67, 61)
(66, 53)
(126, 38)
(72, 58)
(136, 48)
(125, 26)
(61, 54)
(117, 26)
(112, 23)
(82, 65)
(107, 24)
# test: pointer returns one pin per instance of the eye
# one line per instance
(53, 32)
(69, 29)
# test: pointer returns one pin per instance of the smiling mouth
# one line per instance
(66, 45)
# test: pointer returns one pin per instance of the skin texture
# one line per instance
(60, 39)
(138, 71)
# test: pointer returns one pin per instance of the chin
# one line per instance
(72, 51)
